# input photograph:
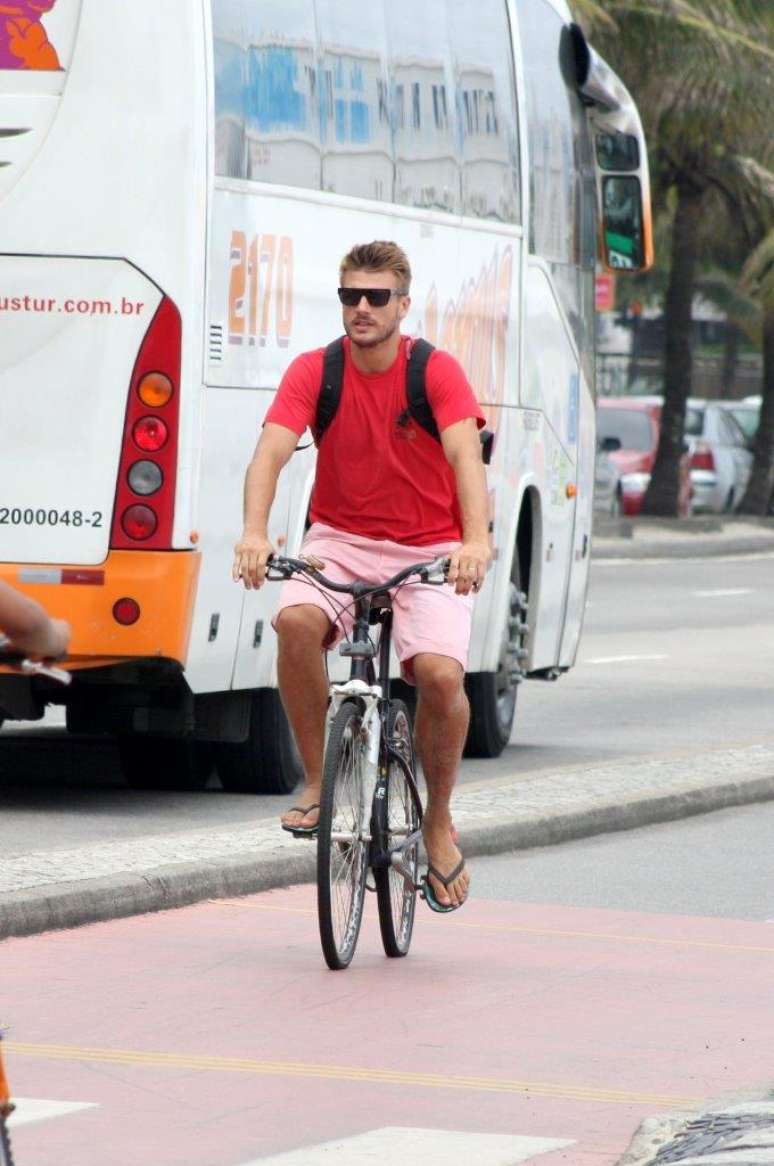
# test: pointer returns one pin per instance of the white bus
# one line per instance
(178, 182)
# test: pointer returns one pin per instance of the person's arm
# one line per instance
(274, 449)
(29, 628)
(469, 562)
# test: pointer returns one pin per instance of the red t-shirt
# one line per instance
(374, 477)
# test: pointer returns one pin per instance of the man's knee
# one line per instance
(302, 628)
(440, 680)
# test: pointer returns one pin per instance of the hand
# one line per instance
(60, 633)
(251, 554)
(468, 567)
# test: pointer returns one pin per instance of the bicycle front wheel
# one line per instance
(342, 853)
(397, 818)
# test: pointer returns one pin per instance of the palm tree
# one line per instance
(703, 79)
(758, 279)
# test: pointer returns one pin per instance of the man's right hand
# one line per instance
(251, 554)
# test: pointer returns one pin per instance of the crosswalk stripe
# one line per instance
(430, 1147)
(29, 1109)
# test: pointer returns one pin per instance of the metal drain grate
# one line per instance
(714, 1133)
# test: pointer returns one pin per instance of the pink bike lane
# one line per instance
(215, 1036)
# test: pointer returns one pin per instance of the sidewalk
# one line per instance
(41, 890)
(685, 538)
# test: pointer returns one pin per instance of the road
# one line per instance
(577, 993)
(677, 656)
(583, 988)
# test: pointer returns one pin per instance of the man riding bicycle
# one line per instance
(387, 493)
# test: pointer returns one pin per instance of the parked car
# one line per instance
(636, 423)
(746, 413)
(721, 458)
(608, 495)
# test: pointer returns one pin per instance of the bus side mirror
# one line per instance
(622, 178)
(623, 230)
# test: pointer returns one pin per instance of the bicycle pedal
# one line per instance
(304, 834)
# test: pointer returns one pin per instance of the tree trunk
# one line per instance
(662, 493)
(757, 496)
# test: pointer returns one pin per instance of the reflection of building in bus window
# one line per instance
(354, 104)
(427, 172)
(486, 106)
(421, 78)
(229, 90)
(281, 127)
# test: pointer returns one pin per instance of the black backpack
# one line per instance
(417, 404)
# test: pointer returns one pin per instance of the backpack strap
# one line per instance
(330, 388)
(416, 391)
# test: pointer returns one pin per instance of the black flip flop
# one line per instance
(303, 831)
(428, 894)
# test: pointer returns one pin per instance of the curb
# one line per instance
(166, 887)
(692, 547)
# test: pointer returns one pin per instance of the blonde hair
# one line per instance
(378, 256)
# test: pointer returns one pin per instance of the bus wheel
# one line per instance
(267, 762)
(165, 764)
(492, 695)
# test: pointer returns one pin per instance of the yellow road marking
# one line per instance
(543, 931)
(341, 1073)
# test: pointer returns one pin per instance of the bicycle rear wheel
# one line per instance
(342, 854)
(397, 817)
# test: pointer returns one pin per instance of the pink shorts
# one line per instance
(425, 619)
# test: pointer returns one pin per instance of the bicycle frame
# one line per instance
(371, 693)
(364, 687)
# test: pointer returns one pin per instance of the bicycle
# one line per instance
(370, 809)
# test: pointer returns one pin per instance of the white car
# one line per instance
(721, 458)
(746, 413)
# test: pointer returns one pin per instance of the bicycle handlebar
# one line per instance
(13, 658)
(285, 567)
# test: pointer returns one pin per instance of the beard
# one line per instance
(379, 337)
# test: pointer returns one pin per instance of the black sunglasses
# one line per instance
(378, 297)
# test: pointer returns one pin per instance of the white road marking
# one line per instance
(621, 659)
(430, 1147)
(30, 1110)
(721, 593)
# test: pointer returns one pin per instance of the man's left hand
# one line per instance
(468, 567)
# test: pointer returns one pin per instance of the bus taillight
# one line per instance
(145, 495)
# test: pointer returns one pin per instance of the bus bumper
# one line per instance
(162, 583)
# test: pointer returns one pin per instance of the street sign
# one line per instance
(605, 292)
